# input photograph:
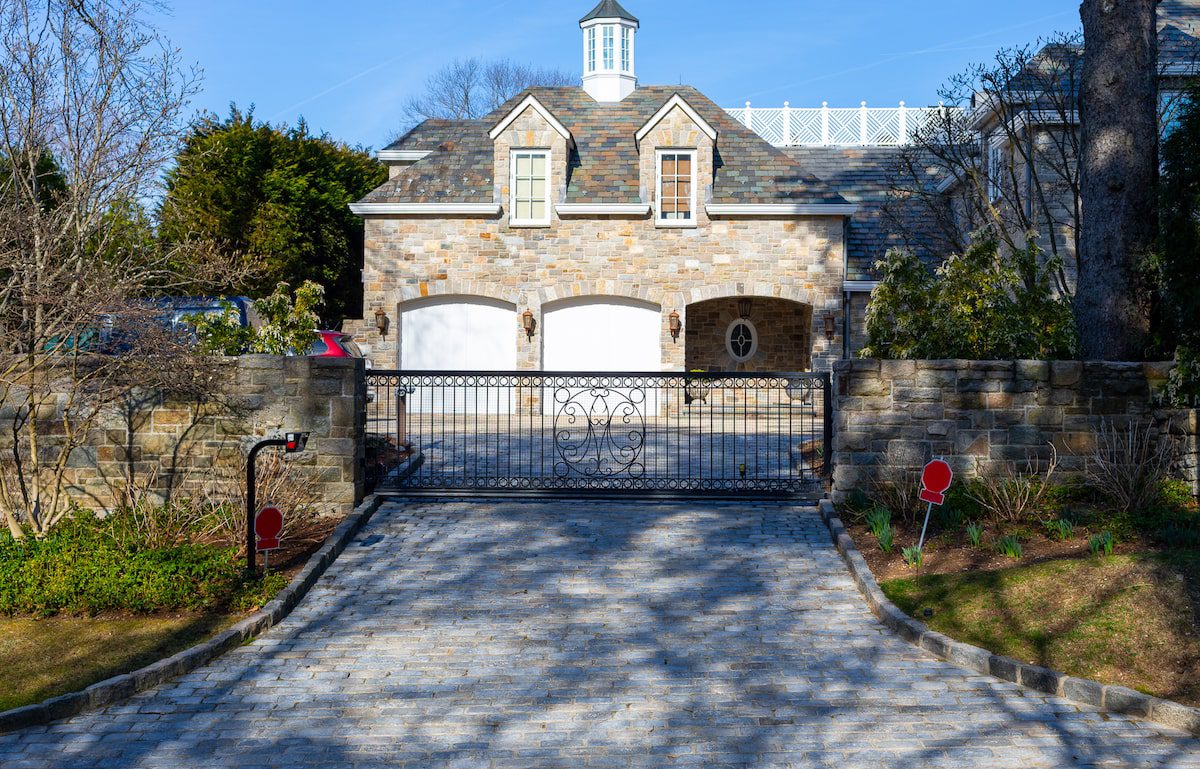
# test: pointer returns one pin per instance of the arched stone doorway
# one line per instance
(748, 334)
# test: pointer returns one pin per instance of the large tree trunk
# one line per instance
(1119, 174)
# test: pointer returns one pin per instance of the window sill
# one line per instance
(529, 225)
(676, 225)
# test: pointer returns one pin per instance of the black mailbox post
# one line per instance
(291, 443)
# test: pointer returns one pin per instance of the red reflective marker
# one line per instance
(935, 480)
(268, 525)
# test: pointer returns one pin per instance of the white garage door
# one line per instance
(459, 334)
(602, 334)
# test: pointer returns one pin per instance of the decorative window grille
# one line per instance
(530, 188)
(626, 48)
(608, 48)
(591, 64)
(676, 187)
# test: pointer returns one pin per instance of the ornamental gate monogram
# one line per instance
(603, 433)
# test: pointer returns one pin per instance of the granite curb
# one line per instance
(123, 686)
(1114, 699)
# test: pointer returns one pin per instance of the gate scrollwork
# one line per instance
(599, 432)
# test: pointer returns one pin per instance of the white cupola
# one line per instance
(608, 63)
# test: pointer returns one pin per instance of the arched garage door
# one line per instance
(459, 334)
(602, 334)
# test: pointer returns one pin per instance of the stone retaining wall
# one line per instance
(893, 416)
(171, 448)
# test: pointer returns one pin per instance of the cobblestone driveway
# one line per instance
(588, 634)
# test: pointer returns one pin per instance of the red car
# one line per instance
(334, 344)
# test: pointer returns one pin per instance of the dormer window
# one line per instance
(608, 48)
(591, 37)
(530, 188)
(676, 188)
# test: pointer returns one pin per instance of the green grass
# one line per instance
(1125, 619)
(48, 657)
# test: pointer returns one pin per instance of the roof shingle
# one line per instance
(603, 167)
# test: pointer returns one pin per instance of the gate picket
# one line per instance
(745, 434)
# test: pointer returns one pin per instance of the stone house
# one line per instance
(626, 227)
(609, 227)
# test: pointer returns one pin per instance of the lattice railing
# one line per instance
(827, 126)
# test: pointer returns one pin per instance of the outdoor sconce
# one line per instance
(528, 323)
(745, 306)
(674, 324)
(381, 321)
(830, 326)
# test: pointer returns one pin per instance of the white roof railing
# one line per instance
(827, 126)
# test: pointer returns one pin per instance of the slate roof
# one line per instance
(603, 167)
(457, 170)
(609, 9)
(864, 176)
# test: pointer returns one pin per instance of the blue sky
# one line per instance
(348, 66)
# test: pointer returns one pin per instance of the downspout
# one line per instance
(845, 293)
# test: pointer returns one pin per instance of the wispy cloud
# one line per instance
(946, 47)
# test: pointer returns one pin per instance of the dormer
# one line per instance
(676, 148)
(530, 164)
(608, 52)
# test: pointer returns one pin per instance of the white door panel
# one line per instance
(459, 335)
(601, 335)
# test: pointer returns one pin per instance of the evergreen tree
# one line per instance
(280, 195)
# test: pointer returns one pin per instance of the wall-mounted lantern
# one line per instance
(381, 322)
(674, 324)
(528, 323)
(830, 326)
(745, 307)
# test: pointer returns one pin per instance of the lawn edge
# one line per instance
(1106, 697)
(123, 686)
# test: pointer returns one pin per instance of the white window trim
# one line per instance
(626, 48)
(527, 102)
(513, 221)
(608, 48)
(676, 101)
(589, 51)
(658, 220)
(729, 339)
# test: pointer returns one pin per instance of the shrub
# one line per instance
(1009, 546)
(1061, 528)
(983, 304)
(1011, 495)
(81, 568)
(886, 538)
(1183, 383)
(912, 556)
(974, 534)
(1101, 543)
(1129, 465)
(286, 328)
(878, 518)
(898, 490)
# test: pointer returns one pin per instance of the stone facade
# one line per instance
(785, 336)
(407, 258)
(171, 448)
(978, 415)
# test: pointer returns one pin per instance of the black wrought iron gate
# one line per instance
(599, 433)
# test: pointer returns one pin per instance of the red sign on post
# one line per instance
(935, 480)
(268, 525)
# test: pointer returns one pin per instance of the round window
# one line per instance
(741, 340)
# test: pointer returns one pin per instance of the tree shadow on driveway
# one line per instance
(574, 634)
